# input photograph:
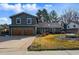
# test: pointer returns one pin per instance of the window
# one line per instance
(74, 25)
(18, 20)
(29, 20)
(68, 26)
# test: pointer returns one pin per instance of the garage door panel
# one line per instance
(28, 32)
(18, 31)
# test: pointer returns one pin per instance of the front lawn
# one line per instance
(51, 41)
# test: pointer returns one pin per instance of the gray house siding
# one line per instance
(23, 28)
(24, 19)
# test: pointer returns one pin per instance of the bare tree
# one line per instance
(70, 15)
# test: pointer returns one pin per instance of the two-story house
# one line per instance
(26, 24)
(23, 24)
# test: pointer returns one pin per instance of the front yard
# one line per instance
(52, 42)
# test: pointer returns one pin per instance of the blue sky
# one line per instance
(10, 9)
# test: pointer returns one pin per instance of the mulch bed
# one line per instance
(52, 49)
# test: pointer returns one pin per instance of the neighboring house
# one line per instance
(73, 27)
(1, 28)
(49, 27)
(4, 29)
(70, 23)
(26, 24)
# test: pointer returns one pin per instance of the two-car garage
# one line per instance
(22, 31)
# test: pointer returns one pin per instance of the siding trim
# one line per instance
(28, 20)
(19, 19)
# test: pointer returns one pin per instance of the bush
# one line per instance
(72, 36)
(43, 34)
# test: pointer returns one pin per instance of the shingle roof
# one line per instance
(77, 22)
(49, 25)
(21, 13)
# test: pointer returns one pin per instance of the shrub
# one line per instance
(43, 34)
(72, 36)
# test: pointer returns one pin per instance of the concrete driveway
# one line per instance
(15, 43)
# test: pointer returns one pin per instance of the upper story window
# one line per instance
(18, 20)
(68, 26)
(29, 20)
(74, 25)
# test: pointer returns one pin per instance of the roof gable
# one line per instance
(21, 14)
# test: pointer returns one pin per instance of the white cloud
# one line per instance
(30, 7)
(5, 20)
(16, 7)
(48, 7)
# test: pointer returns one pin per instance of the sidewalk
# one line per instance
(59, 52)
(25, 52)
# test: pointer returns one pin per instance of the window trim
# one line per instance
(74, 26)
(30, 20)
(19, 19)
(68, 26)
